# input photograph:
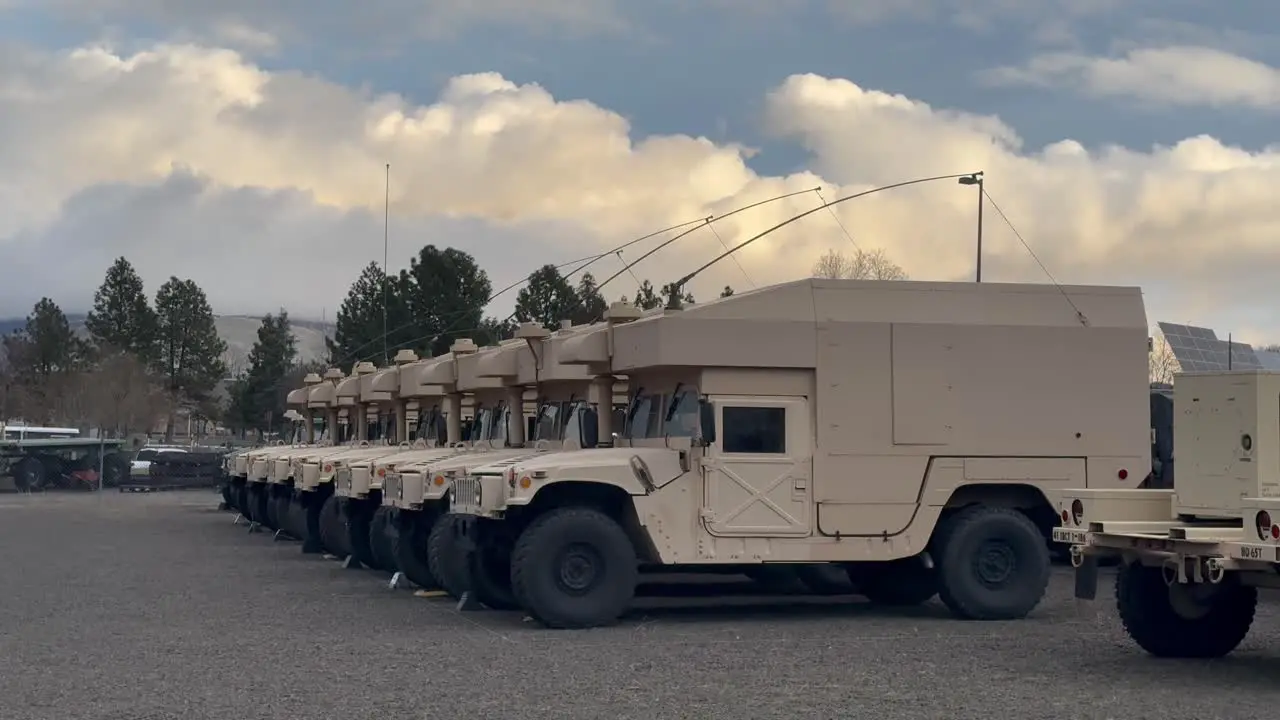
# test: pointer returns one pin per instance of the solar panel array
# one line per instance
(1198, 349)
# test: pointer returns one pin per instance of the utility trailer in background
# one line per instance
(1192, 557)
(31, 465)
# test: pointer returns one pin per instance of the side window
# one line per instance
(754, 430)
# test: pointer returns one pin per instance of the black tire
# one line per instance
(410, 548)
(992, 563)
(244, 503)
(488, 577)
(897, 583)
(1151, 617)
(278, 506)
(29, 475)
(445, 558)
(382, 539)
(781, 579)
(310, 504)
(284, 511)
(115, 469)
(333, 531)
(262, 509)
(574, 567)
(825, 578)
(358, 521)
(298, 516)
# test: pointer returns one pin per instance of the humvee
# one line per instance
(530, 404)
(911, 432)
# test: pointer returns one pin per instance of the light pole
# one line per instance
(976, 179)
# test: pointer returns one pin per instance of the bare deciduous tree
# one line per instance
(1161, 363)
(863, 265)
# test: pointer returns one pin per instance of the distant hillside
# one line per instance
(238, 331)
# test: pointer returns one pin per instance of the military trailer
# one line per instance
(513, 382)
(1193, 557)
(897, 428)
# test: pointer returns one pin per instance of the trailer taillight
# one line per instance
(1262, 523)
(1123, 474)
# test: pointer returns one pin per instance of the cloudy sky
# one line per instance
(243, 144)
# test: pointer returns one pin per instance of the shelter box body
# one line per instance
(1226, 432)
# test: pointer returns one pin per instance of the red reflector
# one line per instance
(1275, 532)
(1123, 473)
(1065, 516)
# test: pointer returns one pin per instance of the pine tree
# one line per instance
(547, 298)
(446, 293)
(262, 402)
(646, 297)
(359, 331)
(43, 357)
(188, 351)
(591, 304)
(121, 318)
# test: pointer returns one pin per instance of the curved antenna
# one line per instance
(706, 221)
(678, 286)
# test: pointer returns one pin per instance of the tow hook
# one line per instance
(1216, 570)
(1077, 556)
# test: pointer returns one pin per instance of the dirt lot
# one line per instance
(155, 606)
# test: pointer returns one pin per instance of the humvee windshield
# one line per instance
(497, 430)
(553, 418)
(648, 415)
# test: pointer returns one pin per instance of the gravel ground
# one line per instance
(155, 606)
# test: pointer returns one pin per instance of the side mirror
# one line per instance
(706, 422)
(589, 428)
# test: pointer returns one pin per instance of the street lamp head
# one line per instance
(974, 179)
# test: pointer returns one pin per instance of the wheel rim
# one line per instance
(579, 568)
(995, 563)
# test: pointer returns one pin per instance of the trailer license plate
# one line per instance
(1070, 536)
(1265, 553)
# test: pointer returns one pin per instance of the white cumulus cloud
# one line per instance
(1175, 75)
(266, 188)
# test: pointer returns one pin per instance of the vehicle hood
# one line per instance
(411, 457)
(352, 454)
(499, 467)
(462, 462)
(315, 455)
(663, 464)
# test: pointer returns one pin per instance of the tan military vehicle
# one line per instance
(358, 487)
(277, 499)
(1192, 558)
(517, 381)
(910, 431)
(370, 415)
(287, 486)
(258, 465)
